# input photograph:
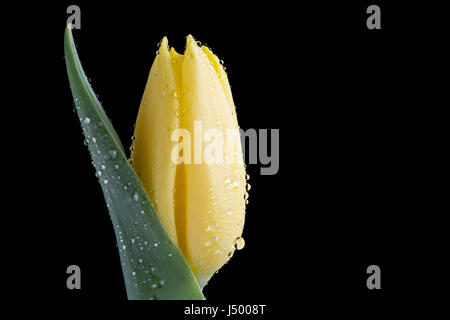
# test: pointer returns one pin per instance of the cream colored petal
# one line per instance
(151, 155)
(215, 205)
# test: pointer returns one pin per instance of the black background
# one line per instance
(349, 103)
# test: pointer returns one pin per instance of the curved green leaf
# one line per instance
(153, 266)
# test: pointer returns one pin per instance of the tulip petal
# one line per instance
(152, 145)
(215, 204)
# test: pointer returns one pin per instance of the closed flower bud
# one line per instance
(187, 153)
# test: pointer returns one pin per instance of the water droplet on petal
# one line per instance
(240, 243)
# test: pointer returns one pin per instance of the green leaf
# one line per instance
(153, 266)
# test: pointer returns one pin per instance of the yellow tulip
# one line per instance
(200, 203)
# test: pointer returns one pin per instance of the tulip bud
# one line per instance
(200, 200)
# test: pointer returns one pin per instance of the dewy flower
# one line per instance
(201, 203)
